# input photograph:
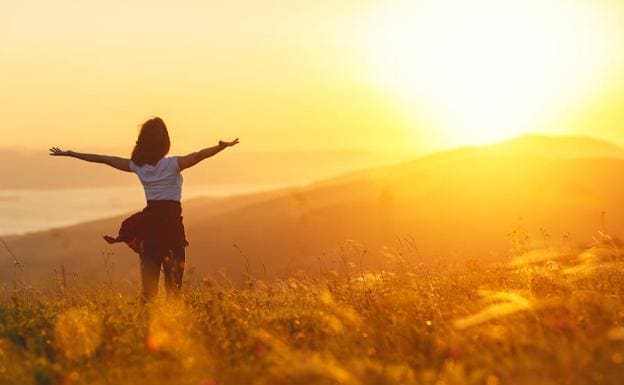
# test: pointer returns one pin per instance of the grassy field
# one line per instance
(547, 317)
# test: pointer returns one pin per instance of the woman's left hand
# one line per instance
(55, 151)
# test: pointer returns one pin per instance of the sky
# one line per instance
(386, 76)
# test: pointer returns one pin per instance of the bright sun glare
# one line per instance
(486, 70)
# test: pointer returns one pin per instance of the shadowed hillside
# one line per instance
(471, 203)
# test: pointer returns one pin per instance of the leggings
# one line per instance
(173, 269)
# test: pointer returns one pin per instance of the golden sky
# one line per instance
(391, 76)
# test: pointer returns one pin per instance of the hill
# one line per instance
(471, 203)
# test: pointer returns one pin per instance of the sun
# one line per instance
(485, 70)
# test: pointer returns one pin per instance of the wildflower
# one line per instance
(260, 351)
(454, 353)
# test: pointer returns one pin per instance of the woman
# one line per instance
(157, 232)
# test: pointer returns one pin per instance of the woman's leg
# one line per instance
(150, 273)
(173, 267)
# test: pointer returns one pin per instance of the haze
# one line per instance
(302, 75)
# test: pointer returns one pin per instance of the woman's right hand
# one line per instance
(55, 151)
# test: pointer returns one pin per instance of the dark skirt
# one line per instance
(156, 230)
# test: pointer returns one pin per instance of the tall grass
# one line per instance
(548, 317)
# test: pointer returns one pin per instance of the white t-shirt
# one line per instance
(162, 181)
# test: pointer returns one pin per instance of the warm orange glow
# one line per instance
(392, 76)
(487, 70)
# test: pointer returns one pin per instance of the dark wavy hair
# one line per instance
(153, 143)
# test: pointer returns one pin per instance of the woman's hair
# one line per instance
(153, 143)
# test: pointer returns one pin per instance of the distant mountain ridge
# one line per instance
(455, 205)
(559, 147)
(37, 170)
(529, 145)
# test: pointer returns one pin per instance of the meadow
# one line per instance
(545, 317)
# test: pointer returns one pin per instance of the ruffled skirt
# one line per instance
(156, 230)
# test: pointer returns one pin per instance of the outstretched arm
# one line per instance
(192, 159)
(113, 161)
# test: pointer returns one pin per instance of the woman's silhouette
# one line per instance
(157, 232)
